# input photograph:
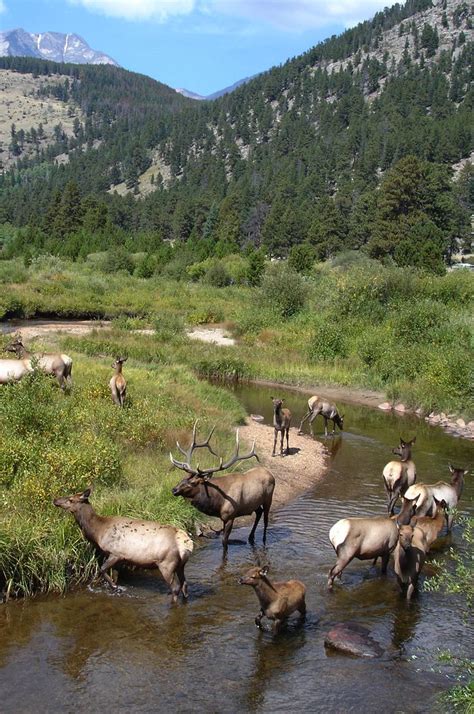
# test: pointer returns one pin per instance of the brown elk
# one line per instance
(424, 497)
(328, 411)
(281, 423)
(229, 496)
(399, 475)
(277, 600)
(365, 539)
(431, 527)
(56, 364)
(145, 544)
(409, 556)
(118, 385)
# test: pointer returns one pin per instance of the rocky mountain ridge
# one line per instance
(55, 46)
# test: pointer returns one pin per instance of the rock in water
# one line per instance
(352, 639)
(257, 417)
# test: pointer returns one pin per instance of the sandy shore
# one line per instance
(304, 466)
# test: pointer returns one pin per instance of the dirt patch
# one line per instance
(36, 328)
(304, 466)
(214, 335)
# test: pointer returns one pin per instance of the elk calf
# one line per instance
(399, 475)
(365, 539)
(409, 557)
(146, 544)
(277, 600)
(281, 423)
(118, 385)
(328, 411)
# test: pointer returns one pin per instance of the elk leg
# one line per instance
(109, 563)
(392, 502)
(288, 440)
(410, 591)
(308, 414)
(168, 572)
(182, 580)
(337, 570)
(258, 515)
(282, 436)
(266, 511)
(226, 533)
(325, 426)
(385, 558)
(274, 442)
(311, 423)
(258, 619)
(276, 625)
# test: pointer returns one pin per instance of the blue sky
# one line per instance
(202, 45)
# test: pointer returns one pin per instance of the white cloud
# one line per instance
(2, 6)
(296, 15)
(289, 15)
(138, 9)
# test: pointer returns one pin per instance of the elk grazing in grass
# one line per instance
(12, 370)
(399, 475)
(365, 539)
(145, 544)
(281, 423)
(409, 556)
(327, 410)
(424, 497)
(229, 496)
(277, 600)
(56, 364)
(118, 385)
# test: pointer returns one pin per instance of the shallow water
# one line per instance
(135, 651)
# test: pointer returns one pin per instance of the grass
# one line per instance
(54, 444)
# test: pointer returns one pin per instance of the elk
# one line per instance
(431, 527)
(229, 496)
(328, 411)
(399, 475)
(365, 539)
(409, 556)
(145, 544)
(118, 385)
(277, 600)
(424, 497)
(281, 423)
(56, 364)
(12, 370)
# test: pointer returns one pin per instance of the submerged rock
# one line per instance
(400, 408)
(352, 639)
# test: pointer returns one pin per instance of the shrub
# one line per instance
(415, 322)
(117, 259)
(327, 341)
(283, 290)
(217, 275)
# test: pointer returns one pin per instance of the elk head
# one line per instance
(405, 536)
(16, 346)
(119, 360)
(73, 503)
(277, 403)
(404, 450)
(254, 575)
(188, 486)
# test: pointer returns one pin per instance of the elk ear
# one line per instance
(451, 468)
(413, 521)
(85, 495)
(402, 443)
(413, 440)
(466, 471)
(263, 571)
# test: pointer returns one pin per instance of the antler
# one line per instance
(207, 473)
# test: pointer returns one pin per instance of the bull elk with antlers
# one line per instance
(230, 496)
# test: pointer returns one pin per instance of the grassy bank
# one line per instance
(55, 444)
(353, 322)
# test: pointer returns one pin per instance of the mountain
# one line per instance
(318, 152)
(54, 46)
(215, 95)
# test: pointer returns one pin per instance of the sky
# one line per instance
(202, 45)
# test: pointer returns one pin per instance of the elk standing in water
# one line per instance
(399, 475)
(426, 497)
(281, 423)
(327, 410)
(277, 600)
(409, 556)
(56, 364)
(229, 496)
(365, 539)
(118, 385)
(146, 544)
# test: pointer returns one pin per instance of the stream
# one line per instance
(92, 650)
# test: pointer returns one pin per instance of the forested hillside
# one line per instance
(351, 145)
